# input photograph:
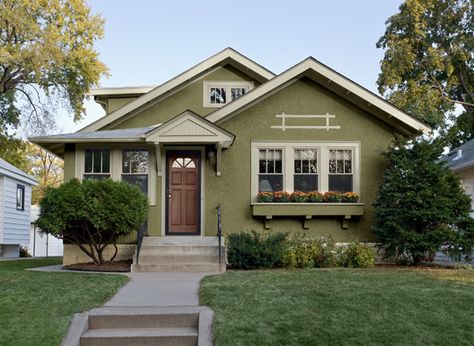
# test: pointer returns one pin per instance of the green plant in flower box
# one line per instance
(265, 197)
(281, 196)
(332, 197)
(299, 197)
(350, 197)
(315, 197)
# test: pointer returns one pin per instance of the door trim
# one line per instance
(164, 184)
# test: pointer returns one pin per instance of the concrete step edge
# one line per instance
(139, 332)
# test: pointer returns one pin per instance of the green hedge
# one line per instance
(252, 250)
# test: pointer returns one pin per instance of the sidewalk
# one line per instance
(159, 289)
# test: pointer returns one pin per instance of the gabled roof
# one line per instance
(189, 127)
(227, 56)
(332, 80)
(461, 158)
(15, 173)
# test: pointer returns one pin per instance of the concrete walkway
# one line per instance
(159, 289)
(150, 289)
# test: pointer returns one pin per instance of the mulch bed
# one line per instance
(116, 266)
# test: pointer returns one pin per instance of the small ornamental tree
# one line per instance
(421, 205)
(92, 214)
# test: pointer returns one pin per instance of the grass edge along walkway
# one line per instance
(37, 307)
(341, 307)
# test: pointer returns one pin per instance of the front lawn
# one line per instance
(36, 307)
(342, 307)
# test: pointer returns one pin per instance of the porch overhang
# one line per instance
(190, 128)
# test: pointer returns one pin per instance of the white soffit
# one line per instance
(300, 69)
(184, 77)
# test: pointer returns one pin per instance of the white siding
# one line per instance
(2, 181)
(42, 245)
(16, 222)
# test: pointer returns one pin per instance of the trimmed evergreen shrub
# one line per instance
(356, 255)
(92, 214)
(420, 205)
(252, 250)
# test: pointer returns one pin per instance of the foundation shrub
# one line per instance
(253, 250)
(356, 255)
(310, 253)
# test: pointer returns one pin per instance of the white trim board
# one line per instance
(307, 68)
(227, 54)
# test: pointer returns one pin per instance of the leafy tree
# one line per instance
(92, 214)
(428, 67)
(46, 55)
(45, 167)
(420, 204)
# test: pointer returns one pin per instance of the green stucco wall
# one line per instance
(190, 97)
(232, 189)
(115, 103)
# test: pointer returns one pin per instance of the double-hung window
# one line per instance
(340, 170)
(217, 94)
(135, 168)
(270, 174)
(313, 166)
(305, 174)
(96, 164)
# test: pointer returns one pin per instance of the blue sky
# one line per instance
(148, 42)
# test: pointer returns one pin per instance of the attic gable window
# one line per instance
(217, 94)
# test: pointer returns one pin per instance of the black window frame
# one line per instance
(22, 201)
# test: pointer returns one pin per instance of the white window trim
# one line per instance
(207, 85)
(288, 165)
(116, 166)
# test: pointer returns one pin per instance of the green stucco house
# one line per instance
(221, 132)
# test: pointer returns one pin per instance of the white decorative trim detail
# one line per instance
(326, 127)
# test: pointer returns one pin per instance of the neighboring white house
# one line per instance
(15, 202)
(461, 161)
(42, 245)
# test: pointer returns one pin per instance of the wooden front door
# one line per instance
(183, 193)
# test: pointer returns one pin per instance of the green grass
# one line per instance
(36, 308)
(342, 307)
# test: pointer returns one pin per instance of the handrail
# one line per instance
(140, 234)
(219, 231)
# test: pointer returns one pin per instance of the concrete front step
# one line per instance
(154, 259)
(142, 318)
(178, 267)
(140, 336)
(182, 240)
(180, 250)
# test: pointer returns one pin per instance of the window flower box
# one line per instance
(344, 211)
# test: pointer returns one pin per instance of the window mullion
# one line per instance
(324, 169)
(288, 170)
